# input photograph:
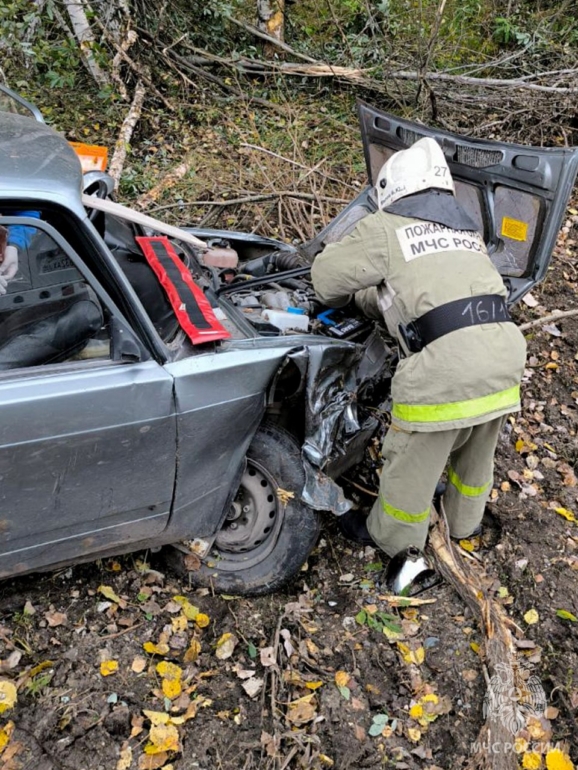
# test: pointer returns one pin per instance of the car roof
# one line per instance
(37, 163)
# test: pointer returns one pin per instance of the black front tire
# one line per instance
(275, 544)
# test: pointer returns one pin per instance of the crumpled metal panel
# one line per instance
(333, 378)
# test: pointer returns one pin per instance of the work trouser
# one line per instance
(413, 465)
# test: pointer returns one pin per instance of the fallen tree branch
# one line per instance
(136, 68)
(126, 131)
(173, 59)
(269, 39)
(469, 580)
(547, 318)
(168, 180)
(487, 82)
(252, 199)
(299, 165)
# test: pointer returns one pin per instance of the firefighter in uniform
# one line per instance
(419, 263)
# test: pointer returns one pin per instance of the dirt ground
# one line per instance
(305, 678)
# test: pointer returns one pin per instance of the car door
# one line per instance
(517, 194)
(88, 434)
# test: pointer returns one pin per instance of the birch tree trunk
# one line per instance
(83, 34)
(271, 20)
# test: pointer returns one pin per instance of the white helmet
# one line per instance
(421, 167)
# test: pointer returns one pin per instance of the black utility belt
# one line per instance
(459, 314)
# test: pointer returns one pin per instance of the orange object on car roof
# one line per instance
(93, 157)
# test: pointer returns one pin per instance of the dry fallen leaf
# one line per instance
(162, 648)
(189, 610)
(411, 656)
(125, 759)
(267, 656)
(179, 624)
(341, 678)
(55, 619)
(226, 646)
(5, 735)
(8, 695)
(284, 495)
(193, 652)
(163, 738)
(152, 761)
(139, 664)
(531, 617)
(110, 594)
(202, 620)
(302, 710)
(252, 686)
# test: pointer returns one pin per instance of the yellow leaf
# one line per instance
(162, 738)
(108, 667)
(418, 655)
(171, 688)
(568, 515)
(157, 717)
(7, 695)
(313, 685)
(325, 760)
(392, 635)
(40, 667)
(531, 617)
(467, 545)
(202, 620)
(169, 670)
(413, 734)
(558, 760)
(162, 648)
(179, 624)
(109, 593)
(411, 656)
(531, 761)
(5, 735)
(193, 652)
(475, 647)
(189, 609)
(341, 678)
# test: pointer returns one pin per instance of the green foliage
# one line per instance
(507, 32)
(378, 621)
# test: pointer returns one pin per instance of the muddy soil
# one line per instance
(327, 687)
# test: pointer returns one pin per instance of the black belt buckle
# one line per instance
(411, 337)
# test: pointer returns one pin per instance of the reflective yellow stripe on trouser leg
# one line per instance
(413, 464)
(465, 489)
(472, 460)
(397, 528)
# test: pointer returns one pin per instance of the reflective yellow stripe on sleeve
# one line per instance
(458, 410)
(465, 489)
(397, 513)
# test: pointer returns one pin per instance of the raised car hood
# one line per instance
(516, 194)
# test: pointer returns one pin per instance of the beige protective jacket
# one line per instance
(400, 268)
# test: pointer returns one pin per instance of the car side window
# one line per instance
(49, 312)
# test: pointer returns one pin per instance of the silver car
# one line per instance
(182, 386)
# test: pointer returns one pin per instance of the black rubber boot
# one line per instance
(353, 526)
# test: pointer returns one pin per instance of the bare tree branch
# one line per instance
(126, 131)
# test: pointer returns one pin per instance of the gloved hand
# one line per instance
(9, 265)
(3, 285)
